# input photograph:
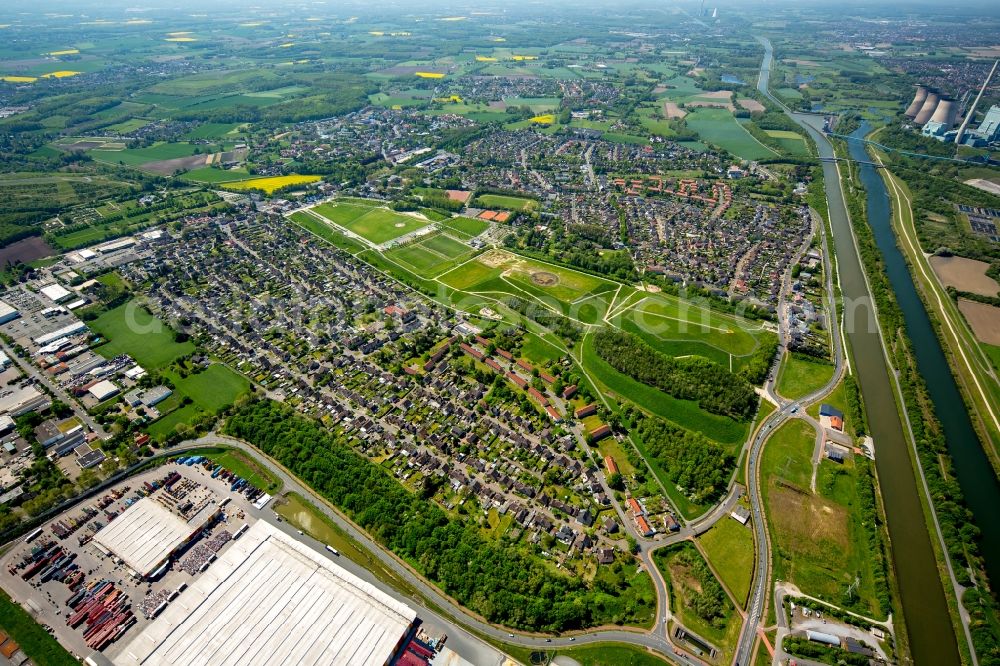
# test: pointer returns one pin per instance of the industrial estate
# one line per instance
(491, 335)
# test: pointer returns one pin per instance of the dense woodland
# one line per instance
(697, 465)
(495, 579)
(714, 388)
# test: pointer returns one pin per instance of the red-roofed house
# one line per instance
(538, 395)
(520, 383)
(633, 504)
(471, 351)
(553, 414)
(546, 377)
(569, 392)
(600, 432)
(643, 525)
(586, 410)
(610, 463)
(524, 365)
(490, 363)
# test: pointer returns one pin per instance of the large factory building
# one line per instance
(272, 600)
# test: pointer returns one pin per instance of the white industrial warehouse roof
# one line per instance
(145, 534)
(272, 600)
(55, 292)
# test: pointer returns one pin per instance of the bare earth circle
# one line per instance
(545, 279)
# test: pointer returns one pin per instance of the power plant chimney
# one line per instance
(927, 108)
(946, 112)
(918, 101)
(972, 109)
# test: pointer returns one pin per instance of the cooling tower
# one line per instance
(946, 112)
(927, 108)
(918, 101)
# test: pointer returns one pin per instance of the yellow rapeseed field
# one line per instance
(63, 52)
(18, 79)
(486, 59)
(180, 39)
(61, 74)
(430, 75)
(271, 183)
(524, 57)
(544, 119)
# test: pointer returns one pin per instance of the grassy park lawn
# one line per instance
(377, 225)
(429, 256)
(729, 547)
(133, 330)
(801, 375)
(680, 328)
(214, 387)
(685, 413)
(210, 390)
(507, 202)
(327, 232)
(466, 226)
(341, 213)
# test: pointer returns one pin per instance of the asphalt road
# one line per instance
(787, 409)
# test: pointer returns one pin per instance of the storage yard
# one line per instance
(92, 574)
(179, 564)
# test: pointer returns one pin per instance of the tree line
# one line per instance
(714, 388)
(697, 465)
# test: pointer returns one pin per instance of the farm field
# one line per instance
(375, 224)
(131, 329)
(140, 156)
(212, 175)
(791, 142)
(507, 202)
(719, 127)
(272, 183)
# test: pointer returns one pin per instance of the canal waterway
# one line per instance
(931, 635)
